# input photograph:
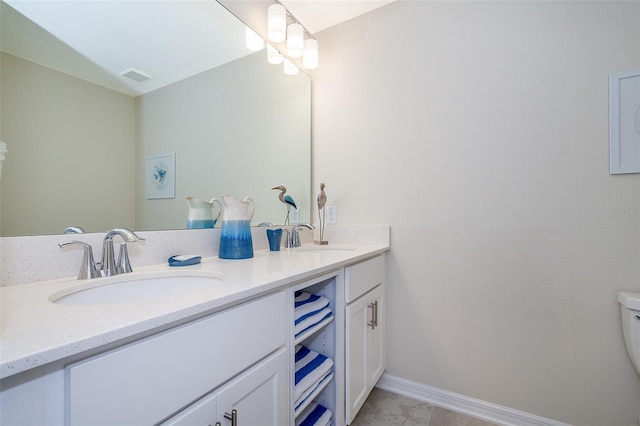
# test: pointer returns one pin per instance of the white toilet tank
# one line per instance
(630, 307)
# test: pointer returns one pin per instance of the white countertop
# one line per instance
(36, 331)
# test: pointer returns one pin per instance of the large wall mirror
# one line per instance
(81, 136)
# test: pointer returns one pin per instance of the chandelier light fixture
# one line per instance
(277, 23)
(282, 26)
(295, 40)
(310, 56)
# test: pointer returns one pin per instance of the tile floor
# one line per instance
(384, 408)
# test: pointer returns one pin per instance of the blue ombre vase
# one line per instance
(235, 240)
(235, 237)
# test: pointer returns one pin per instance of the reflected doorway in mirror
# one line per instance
(161, 176)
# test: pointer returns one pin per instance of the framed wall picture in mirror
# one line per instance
(161, 176)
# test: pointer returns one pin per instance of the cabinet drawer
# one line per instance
(146, 381)
(362, 277)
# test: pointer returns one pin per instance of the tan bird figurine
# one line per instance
(322, 197)
(322, 200)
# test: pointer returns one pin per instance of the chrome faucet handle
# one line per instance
(295, 233)
(108, 266)
(88, 266)
(108, 263)
(287, 243)
(124, 266)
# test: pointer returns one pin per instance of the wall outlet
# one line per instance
(331, 215)
(294, 216)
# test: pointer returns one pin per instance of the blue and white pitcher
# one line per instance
(235, 238)
(203, 214)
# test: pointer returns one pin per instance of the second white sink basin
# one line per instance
(137, 290)
(324, 249)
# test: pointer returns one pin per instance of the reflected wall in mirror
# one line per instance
(77, 149)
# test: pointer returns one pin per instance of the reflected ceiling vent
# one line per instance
(136, 75)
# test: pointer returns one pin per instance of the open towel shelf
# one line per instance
(305, 334)
(315, 393)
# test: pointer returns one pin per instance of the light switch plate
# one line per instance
(294, 216)
(332, 215)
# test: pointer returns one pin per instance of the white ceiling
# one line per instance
(317, 15)
(169, 40)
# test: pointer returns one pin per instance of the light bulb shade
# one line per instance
(310, 57)
(276, 23)
(253, 40)
(289, 67)
(273, 56)
(295, 40)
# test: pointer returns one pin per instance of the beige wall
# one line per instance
(479, 132)
(63, 132)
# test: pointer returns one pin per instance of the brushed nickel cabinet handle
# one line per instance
(374, 315)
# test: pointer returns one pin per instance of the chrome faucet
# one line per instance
(295, 233)
(108, 265)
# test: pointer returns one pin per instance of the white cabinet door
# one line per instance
(364, 348)
(375, 340)
(260, 396)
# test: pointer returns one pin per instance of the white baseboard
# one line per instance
(463, 404)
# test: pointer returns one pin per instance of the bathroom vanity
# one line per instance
(222, 355)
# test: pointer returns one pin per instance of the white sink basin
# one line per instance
(324, 249)
(136, 290)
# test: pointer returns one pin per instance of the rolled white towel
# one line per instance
(314, 415)
(311, 320)
(307, 304)
(300, 402)
(310, 367)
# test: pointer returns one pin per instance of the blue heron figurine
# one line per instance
(286, 199)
